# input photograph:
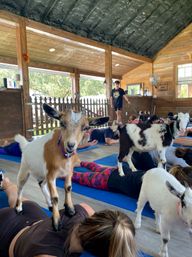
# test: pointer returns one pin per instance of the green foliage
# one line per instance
(55, 84)
(91, 87)
(7, 73)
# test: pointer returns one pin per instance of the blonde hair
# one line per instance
(108, 233)
(183, 174)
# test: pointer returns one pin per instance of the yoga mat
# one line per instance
(87, 148)
(182, 146)
(112, 198)
(10, 158)
(116, 199)
(4, 203)
(110, 160)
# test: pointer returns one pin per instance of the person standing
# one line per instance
(116, 99)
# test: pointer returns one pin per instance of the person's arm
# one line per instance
(126, 99)
(88, 208)
(94, 142)
(110, 141)
(183, 141)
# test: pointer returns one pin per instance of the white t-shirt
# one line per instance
(170, 157)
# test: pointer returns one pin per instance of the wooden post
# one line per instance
(75, 84)
(108, 71)
(75, 77)
(108, 78)
(23, 60)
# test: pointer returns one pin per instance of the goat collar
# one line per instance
(64, 153)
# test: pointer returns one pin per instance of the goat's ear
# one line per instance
(173, 190)
(51, 112)
(98, 121)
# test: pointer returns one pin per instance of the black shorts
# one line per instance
(11, 223)
(118, 108)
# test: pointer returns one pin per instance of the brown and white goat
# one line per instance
(53, 155)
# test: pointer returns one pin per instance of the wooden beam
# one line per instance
(75, 77)
(56, 67)
(23, 59)
(108, 71)
(131, 55)
(8, 16)
(49, 66)
(97, 74)
(68, 35)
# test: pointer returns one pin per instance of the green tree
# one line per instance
(55, 84)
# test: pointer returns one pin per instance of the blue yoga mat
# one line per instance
(18, 159)
(87, 148)
(115, 199)
(110, 160)
(4, 203)
(178, 145)
(10, 158)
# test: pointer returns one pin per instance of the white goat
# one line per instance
(171, 202)
(53, 155)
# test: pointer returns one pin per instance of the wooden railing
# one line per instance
(43, 124)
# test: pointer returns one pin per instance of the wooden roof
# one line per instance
(140, 26)
(68, 54)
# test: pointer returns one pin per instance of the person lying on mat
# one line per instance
(107, 135)
(106, 233)
(185, 141)
(13, 149)
(175, 156)
(107, 178)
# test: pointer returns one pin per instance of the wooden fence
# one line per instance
(43, 124)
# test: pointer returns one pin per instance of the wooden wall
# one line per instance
(137, 104)
(177, 51)
(139, 75)
(11, 113)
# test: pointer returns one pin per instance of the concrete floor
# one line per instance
(147, 239)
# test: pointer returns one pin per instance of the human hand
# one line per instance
(94, 142)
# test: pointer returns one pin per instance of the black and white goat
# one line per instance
(147, 137)
(170, 200)
(54, 155)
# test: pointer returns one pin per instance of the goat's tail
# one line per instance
(21, 140)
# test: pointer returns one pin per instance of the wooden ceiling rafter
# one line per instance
(47, 37)
(24, 9)
(122, 24)
(64, 34)
(148, 28)
(91, 10)
(166, 23)
(128, 22)
(48, 9)
(110, 7)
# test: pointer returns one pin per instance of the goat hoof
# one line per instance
(56, 225)
(50, 208)
(137, 224)
(69, 211)
(19, 212)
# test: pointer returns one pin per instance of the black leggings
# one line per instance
(11, 223)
